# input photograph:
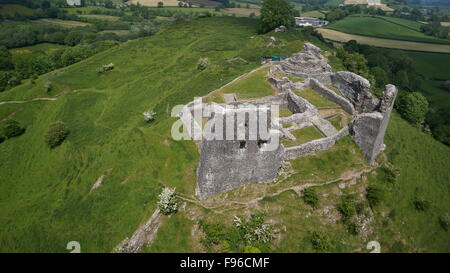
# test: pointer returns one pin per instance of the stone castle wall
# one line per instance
(368, 129)
(298, 104)
(371, 114)
(314, 146)
(332, 96)
(225, 166)
(228, 164)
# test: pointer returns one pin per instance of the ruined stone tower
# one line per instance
(228, 164)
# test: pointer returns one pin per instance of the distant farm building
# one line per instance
(74, 2)
(309, 21)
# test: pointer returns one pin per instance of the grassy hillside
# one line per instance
(424, 174)
(313, 13)
(12, 9)
(45, 196)
(434, 67)
(44, 47)
(384, 27)
(431, 65)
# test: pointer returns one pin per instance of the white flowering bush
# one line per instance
(202, 64)
(255, 230)
(105, 68)
(167, 202)
(149, 116)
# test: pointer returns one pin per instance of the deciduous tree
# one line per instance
(275, 13)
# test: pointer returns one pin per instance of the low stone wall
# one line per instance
(279, 99)
(332, 96)
(354, 87)
(324, 126)
(297, 104)
(287, 134)
(281, 84)
(324, 78)
(299, 117)
(314, 146)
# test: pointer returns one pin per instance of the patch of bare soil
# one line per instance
(99, 180)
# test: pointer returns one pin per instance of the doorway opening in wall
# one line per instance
(242, 144)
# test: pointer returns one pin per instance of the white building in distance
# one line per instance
(373, 2)
(74, 2)
(310, 21)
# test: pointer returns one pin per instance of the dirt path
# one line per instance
(397, 44)
(25, 101)
(345, 178)
(57, 96)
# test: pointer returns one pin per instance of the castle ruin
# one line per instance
(228, 164)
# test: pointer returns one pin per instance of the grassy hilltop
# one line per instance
(45, 194)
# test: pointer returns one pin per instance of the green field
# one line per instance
(249, 2)
(84, 10)
(313, 13)
(12, 9)
(431, 65)
(384, 27)
(44, 47)
(403, 22)
(334, 2)
(437, 97)
(100, 17)
(435, 68)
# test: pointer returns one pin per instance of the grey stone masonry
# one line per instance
(371, 115)
(298, 104)
(332, 96)
(356, 89)
(368, 129)
(228, 164)
(308, 61)
(314, 146)
(225, 165)
(324, 126)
